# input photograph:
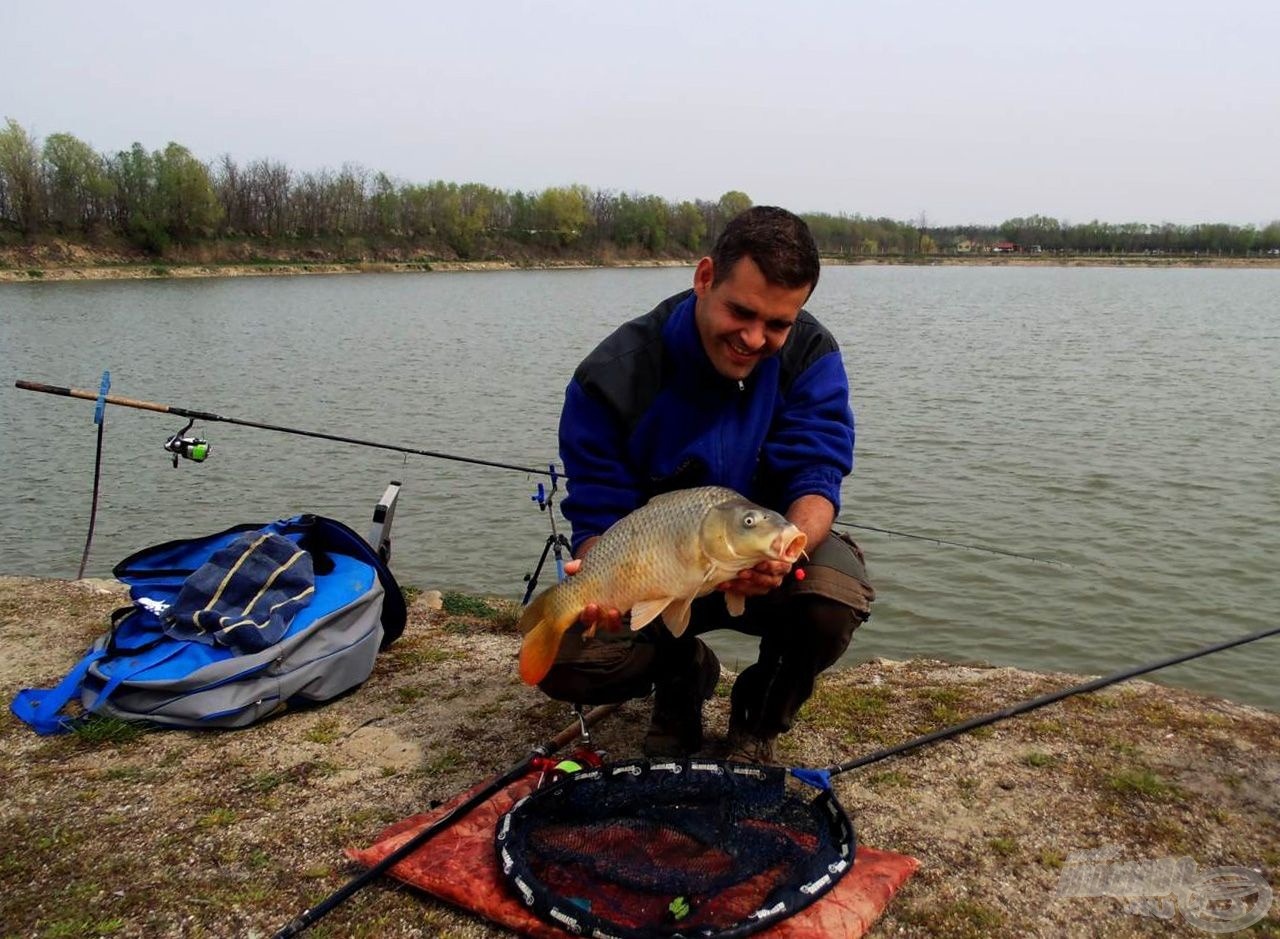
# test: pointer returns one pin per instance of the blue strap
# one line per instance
(40, 708)
(818, 778)
(133, 665)
(102, 398)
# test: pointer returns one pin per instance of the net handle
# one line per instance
(983, 720)
(570, 733)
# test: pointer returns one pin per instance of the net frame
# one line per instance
(686, 787)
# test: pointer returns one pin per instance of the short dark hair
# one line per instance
(777, 240)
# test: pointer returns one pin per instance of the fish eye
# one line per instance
(749, 520)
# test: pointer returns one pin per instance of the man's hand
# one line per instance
(593, 617)
(757, 581)
(813, 515)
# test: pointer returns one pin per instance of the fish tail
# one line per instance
(544, 623)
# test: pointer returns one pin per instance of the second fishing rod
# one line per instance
(197, 449)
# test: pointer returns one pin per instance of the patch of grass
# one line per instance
(35, 273)
(1123, 747)
(325, 731)
(960, 919)
(450, 759)
(1037, 759)
(410, 594)
(125, 774)
(1142, 782)
(160, 271)
(1004, 847)
(888, 778)
(311, 768)
(253, 894)
(463, 604)
(95, 731)
(409, 694)
(265, 782)
(847, 707)
(1051, 859)
(218, 818)
(414, 655)
(76, 928)
(946, 704)
(1093, 702)
(1047, 726)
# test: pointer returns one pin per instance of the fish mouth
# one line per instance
(789, 545)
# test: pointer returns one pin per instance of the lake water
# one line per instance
(1120, 421)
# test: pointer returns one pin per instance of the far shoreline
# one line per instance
(170, 270)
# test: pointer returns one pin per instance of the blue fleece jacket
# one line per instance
(646, 413)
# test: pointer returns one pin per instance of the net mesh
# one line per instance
(699, 848)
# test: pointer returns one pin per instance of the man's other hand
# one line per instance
(593, 616)
(759, 580)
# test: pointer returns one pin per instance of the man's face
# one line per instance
(744, 318)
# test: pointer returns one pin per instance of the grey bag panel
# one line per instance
(333, 655)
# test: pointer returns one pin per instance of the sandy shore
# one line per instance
(41, 272)
(173, 833)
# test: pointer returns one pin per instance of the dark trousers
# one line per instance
(804, 627)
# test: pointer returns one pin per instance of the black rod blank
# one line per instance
(983, 720)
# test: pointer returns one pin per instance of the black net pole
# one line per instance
(1044, 700)
(310, 916)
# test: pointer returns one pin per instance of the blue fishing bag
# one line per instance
(229, 628)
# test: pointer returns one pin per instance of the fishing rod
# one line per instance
(197, 449)
(194, 415)
(1033, 704)
(953, 544)
(575, 730)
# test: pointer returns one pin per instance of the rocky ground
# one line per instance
(112, 831)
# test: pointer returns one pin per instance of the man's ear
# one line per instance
(703, 276)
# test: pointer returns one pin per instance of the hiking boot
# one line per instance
(676, 727)
(747, 747)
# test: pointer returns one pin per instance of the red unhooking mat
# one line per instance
(459, 865)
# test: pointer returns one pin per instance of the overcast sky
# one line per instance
(962, 111)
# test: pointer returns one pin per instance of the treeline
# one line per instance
(156, 199)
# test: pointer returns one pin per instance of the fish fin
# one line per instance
(646, 611)
(736, 603)
(544, 626)
(676, 615)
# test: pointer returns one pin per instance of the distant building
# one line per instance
(1004, 247)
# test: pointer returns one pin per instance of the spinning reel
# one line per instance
(195, 449)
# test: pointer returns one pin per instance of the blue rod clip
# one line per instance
(101, 406)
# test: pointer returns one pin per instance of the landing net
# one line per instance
(690, 848)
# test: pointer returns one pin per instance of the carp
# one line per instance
(656, 561)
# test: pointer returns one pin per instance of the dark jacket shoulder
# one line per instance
(625, 371)
(808, 341)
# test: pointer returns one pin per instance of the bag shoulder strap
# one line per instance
(41, 709)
